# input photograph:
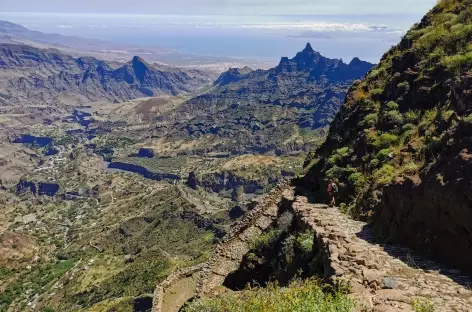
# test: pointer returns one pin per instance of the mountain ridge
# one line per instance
(264, 111)
(53, 77)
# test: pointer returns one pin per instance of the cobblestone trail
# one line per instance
(383, 278)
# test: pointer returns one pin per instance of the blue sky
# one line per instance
(253, 7)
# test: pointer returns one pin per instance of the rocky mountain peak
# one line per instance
(308, 48)
(140, 68)
(355, 61)
(308, 53)
(139, 63)
(232, 75)
(311, 61)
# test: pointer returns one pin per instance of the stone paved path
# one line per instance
(383, 278)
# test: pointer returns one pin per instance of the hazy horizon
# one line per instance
(232, 7)
(241, 29)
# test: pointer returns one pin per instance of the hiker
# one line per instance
(332, 189)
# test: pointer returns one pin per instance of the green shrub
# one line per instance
(383, 154)
(385, 174)
(465, 17)
(370, 120)
(404, 85)
(375, 73)
(358, 180)
(431, 38)
(411, 168)
(414, 34)
(265, 240)
(467, 119)
(339, 155)
(408, 127)
(377, 91)
(308, 295)
(5, 272)
(446, 17)
(423, 305)
(437, 54)
(35, 281)
(392, 105)
(393, 117)
(369, 105)
(374, 163)
(458, 63)
(338, 172)
(412, 116)
(385, 140)
(304, 241)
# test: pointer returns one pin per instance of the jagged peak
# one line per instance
(137, 59)
(308, 48)
(355, 60)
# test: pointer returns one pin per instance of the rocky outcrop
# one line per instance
(146, 152)
(400, 146)
(33, 140)
(192, 181)
(232, 75)
(319, 66)
(37, 188)
(33, 75)
(431, 213)
(143, 171)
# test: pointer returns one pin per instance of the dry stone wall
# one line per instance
(230, 252)
(159, 293)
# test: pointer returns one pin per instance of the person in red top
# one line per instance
(332, 188)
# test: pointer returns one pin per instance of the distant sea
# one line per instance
(258, 37)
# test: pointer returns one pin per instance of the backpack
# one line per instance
(335, 188)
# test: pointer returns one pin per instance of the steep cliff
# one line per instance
(400, 145)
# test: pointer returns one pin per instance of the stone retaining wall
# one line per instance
(158, 300)
(230, 251)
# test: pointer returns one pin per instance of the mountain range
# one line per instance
(110, 198)
(32, 75)
(282, 110)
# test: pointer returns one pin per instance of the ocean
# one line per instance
(265, 37)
